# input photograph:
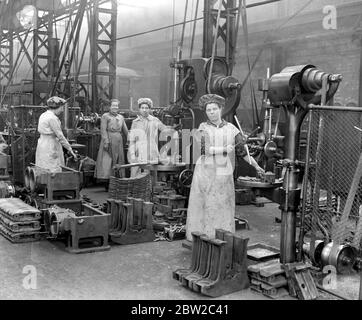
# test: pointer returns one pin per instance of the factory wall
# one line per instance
(284, 41)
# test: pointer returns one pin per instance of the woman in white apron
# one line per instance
(49, 151)
(212, 194)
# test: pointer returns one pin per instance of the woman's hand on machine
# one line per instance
(73, 154)
(260, 171)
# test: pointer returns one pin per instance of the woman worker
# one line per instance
(49, 153)
(143, 138)
(111, 148)
(212, 194)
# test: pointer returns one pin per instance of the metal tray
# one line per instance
(262, 252)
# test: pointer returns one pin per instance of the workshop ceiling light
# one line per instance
(27, 16)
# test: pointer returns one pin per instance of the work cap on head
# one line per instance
(147, 101)
(55, 102)
(211, 98)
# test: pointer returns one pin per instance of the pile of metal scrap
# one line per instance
(218, 266)
(19, 222)
(170, 215)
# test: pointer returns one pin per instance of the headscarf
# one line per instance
(55, 102)
(211, 98)
(147, 101)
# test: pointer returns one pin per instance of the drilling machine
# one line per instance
(294, 89)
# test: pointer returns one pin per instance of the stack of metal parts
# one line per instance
(19, 222)
(331, 227)
(137, 187)
(276, 280)
(269, 279)
(131, 221)
(173, 206)
(218, 266)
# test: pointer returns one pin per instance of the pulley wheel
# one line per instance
(188, 86)
(219, 66)
(270, 149)
(342, 257)
(185, 178)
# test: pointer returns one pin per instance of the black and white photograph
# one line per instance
(181, 156)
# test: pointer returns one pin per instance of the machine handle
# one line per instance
(242, 132)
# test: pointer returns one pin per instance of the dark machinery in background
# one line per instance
(195, 74)
(47, 57)
(210, 73)
(265, 143)
(22, 137)
(34, 25)
(7, 188)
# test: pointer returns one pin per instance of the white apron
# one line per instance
(212, 195)
(49, 153)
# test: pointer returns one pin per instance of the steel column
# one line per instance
(103, 51)
(41, 55)
(6, 56)
(226, 29)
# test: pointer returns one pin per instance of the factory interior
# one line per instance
(180, 150)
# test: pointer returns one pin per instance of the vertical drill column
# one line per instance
(290, 192)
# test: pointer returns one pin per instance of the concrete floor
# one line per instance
(128, 272)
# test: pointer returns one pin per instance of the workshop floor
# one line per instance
(129, 272)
